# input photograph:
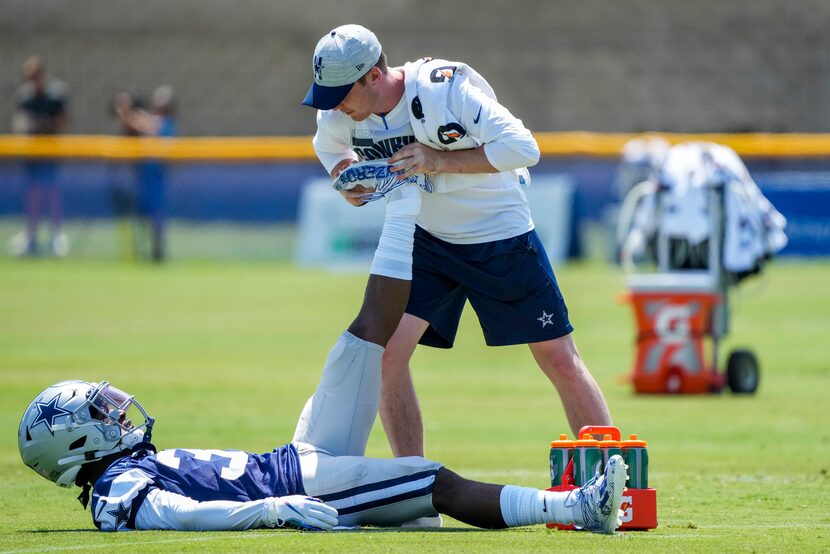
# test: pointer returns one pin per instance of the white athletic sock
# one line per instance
(526, 506)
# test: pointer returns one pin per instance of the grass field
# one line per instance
(225, 355)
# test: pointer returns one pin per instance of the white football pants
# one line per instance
(331, 438)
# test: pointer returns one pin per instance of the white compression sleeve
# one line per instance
(168, 510)
(393, 257)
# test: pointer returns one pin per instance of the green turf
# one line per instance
(225, 355)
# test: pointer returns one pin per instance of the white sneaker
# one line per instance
(60, 245)
(596, 505)
(426, 521)
(21, 244)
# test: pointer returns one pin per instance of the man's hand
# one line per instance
(352, 196)
(417, 158)
(355, 196)
(303, 512)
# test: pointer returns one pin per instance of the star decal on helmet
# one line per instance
(47, 412)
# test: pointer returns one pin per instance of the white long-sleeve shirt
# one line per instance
(474, 208)
(171, 511)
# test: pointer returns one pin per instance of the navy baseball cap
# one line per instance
(341, 57)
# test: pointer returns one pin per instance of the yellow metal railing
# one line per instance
(185, 148)
(299, 148)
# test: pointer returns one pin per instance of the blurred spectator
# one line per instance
(157, 122)
(40, 110)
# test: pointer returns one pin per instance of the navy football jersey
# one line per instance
(202, 475)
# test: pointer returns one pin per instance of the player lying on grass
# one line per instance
(79, 432)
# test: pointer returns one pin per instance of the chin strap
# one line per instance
(83, 498)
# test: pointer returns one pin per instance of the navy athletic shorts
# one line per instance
(510, 285)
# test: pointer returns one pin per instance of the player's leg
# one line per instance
(399, 409)
(340, 414)
(595, 506)
(581, 396)
(369, 491)
(383, 306)
(390, 277)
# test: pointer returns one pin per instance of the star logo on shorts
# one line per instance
(546, 319)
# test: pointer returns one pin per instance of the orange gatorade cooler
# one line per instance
(671, 328)
(561, 452)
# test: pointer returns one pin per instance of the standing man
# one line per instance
(152, 173)
(40, 110)
(474, 238)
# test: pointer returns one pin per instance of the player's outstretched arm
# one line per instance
(387, 290)
(164, 510)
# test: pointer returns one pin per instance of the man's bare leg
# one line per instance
(399, 409)
(581, 396)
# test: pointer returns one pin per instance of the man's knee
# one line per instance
(561, 357)
(402, 344)
(395, 360)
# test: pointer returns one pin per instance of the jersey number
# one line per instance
(234, 461)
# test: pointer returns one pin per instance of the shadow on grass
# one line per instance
(361, 530)
(35, 531)
(417, 530)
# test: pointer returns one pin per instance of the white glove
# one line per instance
(303, 512)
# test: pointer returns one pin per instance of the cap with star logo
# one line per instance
(341, 57)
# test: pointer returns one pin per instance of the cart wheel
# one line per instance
(742, 372)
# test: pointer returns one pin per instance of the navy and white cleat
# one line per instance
(596, 505)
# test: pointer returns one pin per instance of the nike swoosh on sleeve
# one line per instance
(478, 116)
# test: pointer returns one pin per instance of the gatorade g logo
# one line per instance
(627, 508)
(441, 74)
(672, 324)
(450, 133)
